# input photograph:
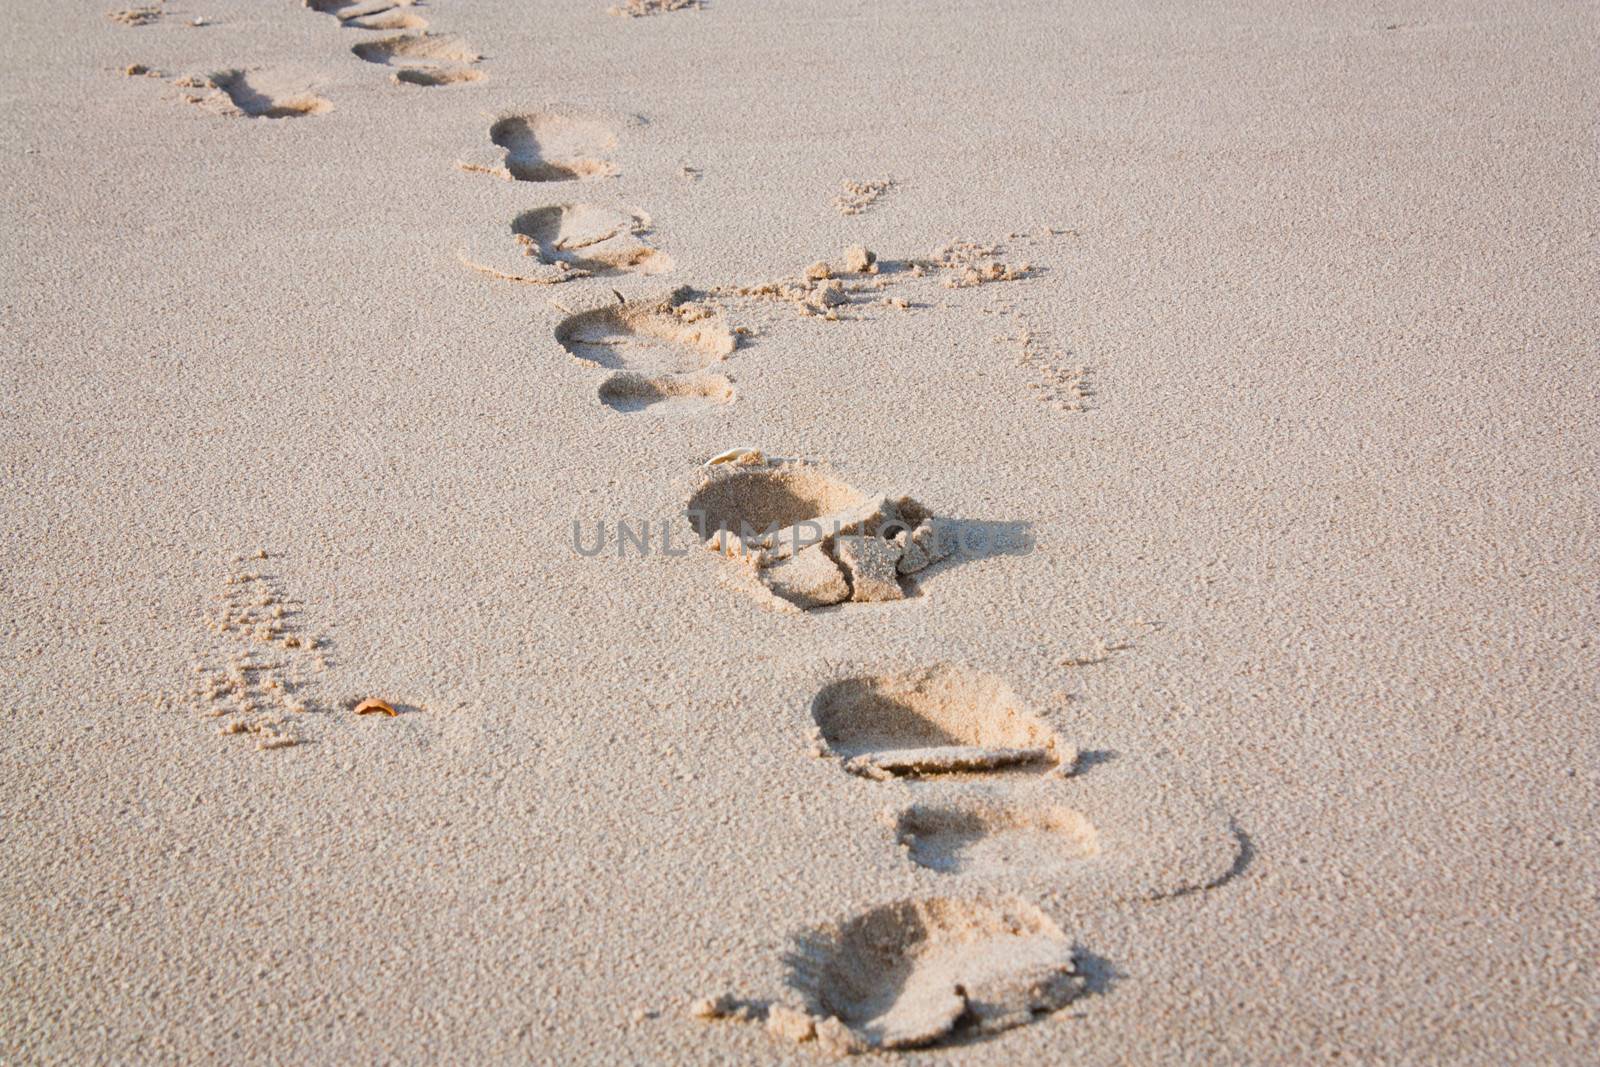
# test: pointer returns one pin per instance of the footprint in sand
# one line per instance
(674, 334)
(802, 538)
(549, 245)
(938, 720)
(371, 14)
(1119, 832)
(665, 393)
(1124, 831)
(424, 59)
(543, 146)
(926, 972)
(987, 836)
(253, 94)
(938, 970)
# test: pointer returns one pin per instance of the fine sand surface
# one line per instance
(1206, 666)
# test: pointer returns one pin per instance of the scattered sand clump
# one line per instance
(858, 196)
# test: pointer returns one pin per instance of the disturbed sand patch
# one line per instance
(635, 9)
(136, 16)
(857, 196)
(259, 658)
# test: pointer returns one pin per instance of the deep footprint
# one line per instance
(422, 59)
(393, 19)
(565, 241)
(808, 539)
(923, 972)
(544, 147)
(371, 14)
(671, 335)
(674, 393)
(235, 93)
(984, 835)
(934, 721)
(430, 78)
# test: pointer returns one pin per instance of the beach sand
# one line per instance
(1242, 355)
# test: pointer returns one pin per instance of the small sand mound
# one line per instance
(674, 334)
(933, 720)
(989, 836)
(857, 196)
(416, 50)
(629, 392)
(921, 972)
(544, 147)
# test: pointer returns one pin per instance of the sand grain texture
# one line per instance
(1250, 349)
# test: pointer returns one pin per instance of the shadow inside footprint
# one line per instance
(808, 539)
(563, 242)
(627, 392)
(746, 501)
(990, 836)
(672, 334)
(257, 104)
(935, 720)
(547, 147)
(429, 78)
(392, 19)
(590, 238)
(440, 53)
(932, 972)
(371, 14)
